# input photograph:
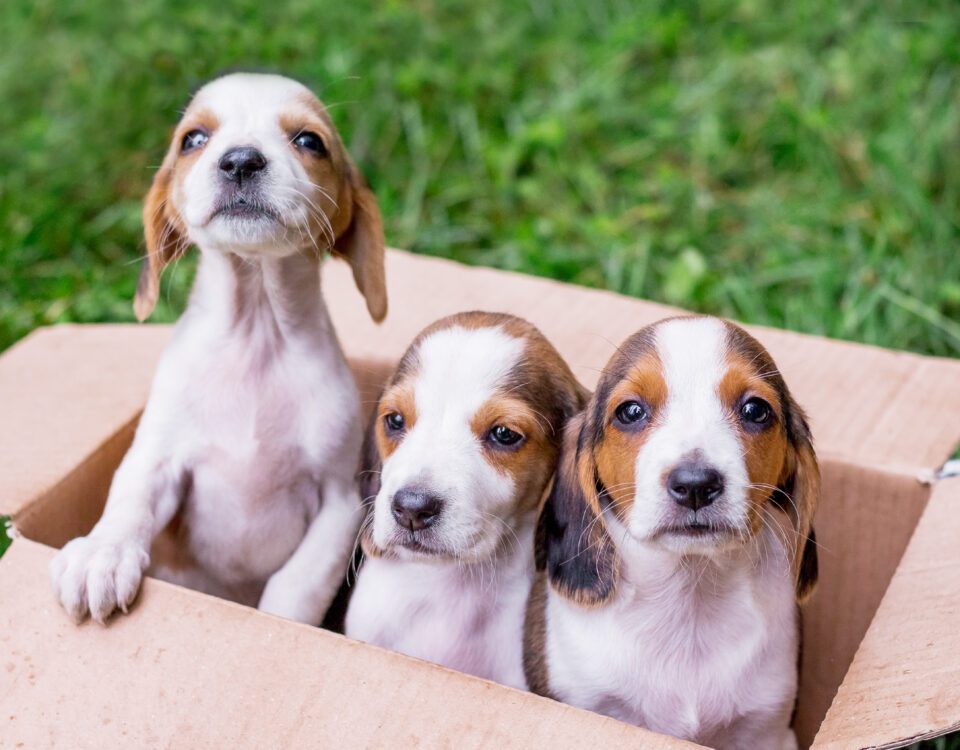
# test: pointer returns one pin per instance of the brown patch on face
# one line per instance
(397, 399)
(530, 462)
(195, 119)
(164, 230)
(616, 453)
(782, 456)
(765, 451)
(351, 226)
(546, 394)
(329, 171)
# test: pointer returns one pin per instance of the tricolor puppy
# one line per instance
(457, 457)
(240, 480)
(677, 541)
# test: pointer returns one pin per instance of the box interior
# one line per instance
(858, 398)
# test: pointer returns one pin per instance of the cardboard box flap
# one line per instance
(67, 390)
(64, 392)
(864, 523)
(188, 670)
(904, 683)
(867, 405)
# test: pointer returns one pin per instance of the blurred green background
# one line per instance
(795, 164)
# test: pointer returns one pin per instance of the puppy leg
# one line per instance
(304, 587)
(101, 572)
(764, 732)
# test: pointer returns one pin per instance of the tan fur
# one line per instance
(782, 456)
(398, 399)
(616, 454)
(765, 453)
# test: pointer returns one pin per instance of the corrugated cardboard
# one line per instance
(193, 671)
(73, 395)
(904, 684)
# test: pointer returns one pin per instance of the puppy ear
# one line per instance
(362, 245)
(574, 544)
(800, 487)
(164, 241)
(368, 482)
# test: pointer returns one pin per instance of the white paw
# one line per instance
(93, 576)
(290, 601)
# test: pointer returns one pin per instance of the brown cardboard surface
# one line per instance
(862, 400)
(863, 525)
(64, 391)
(71, 396)
(904, 683)
(188, 670)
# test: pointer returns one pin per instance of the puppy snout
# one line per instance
(241, 163)
(694, 485)
(414, 508)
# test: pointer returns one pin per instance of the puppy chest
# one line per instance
(469, 626)
(246, 511)
(682, 675)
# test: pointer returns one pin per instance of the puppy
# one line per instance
(457, 456)
(677, 541)
(240, 479)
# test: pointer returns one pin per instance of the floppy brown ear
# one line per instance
(362, 245)
(368, 482)
(164, 242)
(801, 489)
(573, 542)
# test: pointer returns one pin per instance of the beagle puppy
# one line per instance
(677, 541)
(457, 456)
(240, 480)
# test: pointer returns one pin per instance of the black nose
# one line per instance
(694, 486)
(241, 163)
(415, 508)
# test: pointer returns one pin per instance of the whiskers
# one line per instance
(292, 195)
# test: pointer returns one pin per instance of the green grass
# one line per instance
(796, 164)
(5, 539)
(947, 742)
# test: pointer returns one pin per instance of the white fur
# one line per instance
(252, 427)
(466, 617)
(692, 421)
(700, 639)
(463, 610)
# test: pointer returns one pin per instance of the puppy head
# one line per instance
(690, 434)
(257, 168)
(464, 438)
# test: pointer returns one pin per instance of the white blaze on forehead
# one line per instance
(244, 101)
(693, 353)
(461, 368)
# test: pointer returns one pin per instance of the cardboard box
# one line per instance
(882, 634)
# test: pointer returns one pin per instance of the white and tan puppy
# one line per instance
(240, 479)
(677, 540)
(458, 454)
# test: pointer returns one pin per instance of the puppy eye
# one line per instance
(193, 139)
(755, 412)
(311, 142)
(631, 412)
(394, 422)
(504, 435)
